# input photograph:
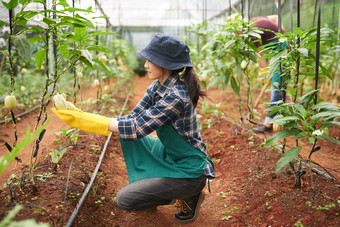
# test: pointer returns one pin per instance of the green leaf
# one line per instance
(333, 140)
(63, 3)
(303, 51)
(238, 70)
(102, 33)
(40, 57)
(225, 79)
(22, 22)
(24, 1)
(23, 45)
(100, 17)
(40, 23)
(39, 1)
(1, 23)
(49, 21)
(99, 48)
(325, 105)
(76, 22)
(36, 38)
(213, 82)
(226, 46)
(234, 85)
(8, 220)
(86, 21)
(307, 98)
(300, 109)
(27, 14)
(336, 123)
(80, 33)
(287, 157)
(102, 65)
(10, 4)
(73, 9)
(283, 120)
(52, 11)
(11, 214)
(300, 134)
(254, 34)
(280, 135)
(87, 55)
(326, 114)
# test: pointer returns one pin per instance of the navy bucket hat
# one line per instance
(167, 52)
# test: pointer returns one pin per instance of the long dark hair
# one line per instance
(192, 84)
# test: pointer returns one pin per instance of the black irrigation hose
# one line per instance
(317, 178)
(68, 178)
(23, 113)
(312, 168)
(82, 199)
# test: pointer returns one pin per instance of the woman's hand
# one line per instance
(85, 121)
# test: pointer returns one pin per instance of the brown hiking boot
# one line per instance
(189, 208)
(262, 128)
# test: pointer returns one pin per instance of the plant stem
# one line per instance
(42, 107)
(9, 45)
(310, 166)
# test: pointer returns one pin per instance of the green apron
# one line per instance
(168, 156)
(276, 78)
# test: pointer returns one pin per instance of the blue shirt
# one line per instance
(167, 103)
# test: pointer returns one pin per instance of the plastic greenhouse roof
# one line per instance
(146, 13)
(155, 13)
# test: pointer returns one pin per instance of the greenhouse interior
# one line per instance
(170, 113)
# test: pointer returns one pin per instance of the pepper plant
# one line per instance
(71, 37)
(298, 59)
(305, 116)
(303, 119)
(229, 45)
(228, 52)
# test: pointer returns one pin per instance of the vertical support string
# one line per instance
(337, 55)
(291, 10)
(315, 6)
(55, 43)
(317, 55)
(280, 31)
(298, 43)
(242, 8)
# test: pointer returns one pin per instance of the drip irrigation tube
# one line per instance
(82, 199)
(23, 113)
(312, 168)
(68, 178)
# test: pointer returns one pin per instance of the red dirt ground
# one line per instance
(246, 192)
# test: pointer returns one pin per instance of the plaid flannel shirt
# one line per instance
(168, 103)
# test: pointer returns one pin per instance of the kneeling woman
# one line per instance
(176, 165)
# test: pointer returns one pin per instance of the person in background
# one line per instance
(175, 166)
(270, 23)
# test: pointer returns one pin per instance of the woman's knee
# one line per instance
(125, 200)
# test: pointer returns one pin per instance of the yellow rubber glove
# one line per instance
(264, 74)
(85, 121)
